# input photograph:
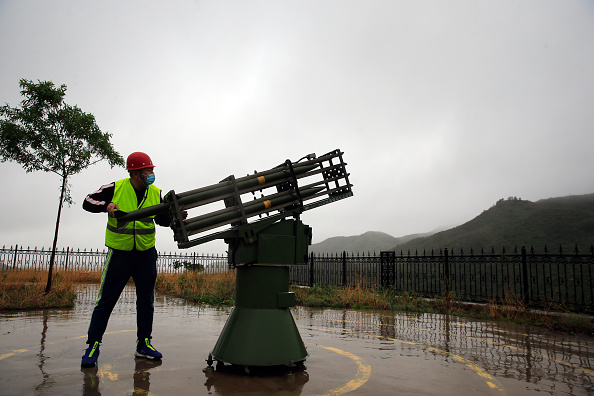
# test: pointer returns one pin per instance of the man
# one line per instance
(131, 253)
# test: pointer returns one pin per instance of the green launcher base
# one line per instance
(261, 330)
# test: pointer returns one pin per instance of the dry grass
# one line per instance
(26, 289)
(357, 296)
(513, 309)
(199, 287)
(510, 309)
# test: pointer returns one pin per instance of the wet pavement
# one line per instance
(354, 352)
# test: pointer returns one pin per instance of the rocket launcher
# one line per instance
(284, 191)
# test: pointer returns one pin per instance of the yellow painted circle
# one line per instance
(362, 376)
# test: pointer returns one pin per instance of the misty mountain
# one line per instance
(371, 241)
(554, 222)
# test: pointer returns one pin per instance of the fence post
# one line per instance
(344, 274)
(393, 268)
(382, 270)
(66, 263)
(525, 291)
(387, 268)
(311, 269)
(446, 271)
(16, 249)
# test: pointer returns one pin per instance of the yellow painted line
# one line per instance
(487, 341)
(496, 330)
(476, 369)
(106, 371)
(473, 366)
(362, 376)
(7, 355)
(491, 382)
(585, 370)
(552, 339)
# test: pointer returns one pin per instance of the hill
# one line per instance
(371, 241)
(563, 221)
(554, 222)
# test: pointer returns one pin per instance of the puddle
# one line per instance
(355, 352)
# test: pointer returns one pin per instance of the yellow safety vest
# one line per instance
(139, 233)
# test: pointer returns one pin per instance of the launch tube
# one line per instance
(243, 185)
(249, 209)
(217, 190)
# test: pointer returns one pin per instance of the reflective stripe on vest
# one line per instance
(139, 234)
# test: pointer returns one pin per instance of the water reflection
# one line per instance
(525, 353)
(141, 378)
(90, 381)
(142, 383)
(41, 354)
(235, 381)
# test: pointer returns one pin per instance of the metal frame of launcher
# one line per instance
(288, 200)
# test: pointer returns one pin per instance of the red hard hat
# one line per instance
(138, 160)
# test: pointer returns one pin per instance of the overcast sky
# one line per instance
(441, 107)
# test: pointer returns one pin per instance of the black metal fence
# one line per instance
(547, 281)
(538, 280)
(93, 260)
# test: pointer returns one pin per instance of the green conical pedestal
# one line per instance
(261, 330)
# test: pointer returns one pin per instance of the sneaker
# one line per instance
(144, 349)
(89, 359)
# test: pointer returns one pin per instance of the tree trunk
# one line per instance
(48, 286)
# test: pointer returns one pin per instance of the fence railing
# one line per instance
(546, 281)
(537, 280)
(93, 260)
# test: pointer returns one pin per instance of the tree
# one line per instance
(49, 135)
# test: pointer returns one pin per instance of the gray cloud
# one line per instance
(441, 108)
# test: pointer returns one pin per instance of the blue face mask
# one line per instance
(149, 179)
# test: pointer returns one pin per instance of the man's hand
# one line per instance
(111, 208)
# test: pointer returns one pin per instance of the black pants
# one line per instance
(119, 267)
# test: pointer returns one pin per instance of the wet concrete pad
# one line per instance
(355, 352)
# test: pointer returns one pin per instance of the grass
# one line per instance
(356, 296)
(511, 309)
(21, 290)
(25, 290)
(198, 287)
